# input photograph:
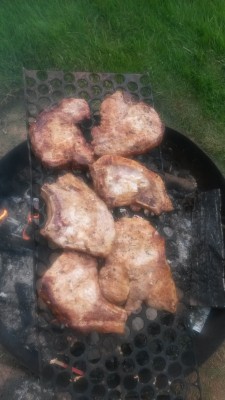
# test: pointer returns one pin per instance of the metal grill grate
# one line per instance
(155, 358)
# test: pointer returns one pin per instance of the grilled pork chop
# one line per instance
(71, 290)
(57, 140)
(136, 269)
(77, 219)
(121, 181)
(127, 127)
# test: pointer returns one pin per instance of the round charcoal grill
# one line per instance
(156, 358)
(153, 352)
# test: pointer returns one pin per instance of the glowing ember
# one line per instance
(32, 217)
(63, 365)
(3, 214)
(25, 235)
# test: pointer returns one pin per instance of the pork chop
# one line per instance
(70, 288)
(77, 219)
(120, 181)
(136, 270)
(127, 126)
(57, 140)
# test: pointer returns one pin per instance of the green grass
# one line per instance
(181, 43)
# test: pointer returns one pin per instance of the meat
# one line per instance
(55, 137)
(121, 181)
(77, 219)
(71, 290)
(136, 269)
(127, 127)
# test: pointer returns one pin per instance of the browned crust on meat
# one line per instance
(153, 197)
(128, 127)
(104, 317)
(46, 135)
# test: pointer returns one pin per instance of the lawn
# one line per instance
(180, 43)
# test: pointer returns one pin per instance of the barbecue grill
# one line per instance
(156, 358)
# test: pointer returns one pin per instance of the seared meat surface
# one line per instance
(127, 126)
(71, 290)
(55, 137)
(136, 269)
(121, 181)
(77, 219)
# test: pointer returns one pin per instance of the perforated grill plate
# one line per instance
(155, 357)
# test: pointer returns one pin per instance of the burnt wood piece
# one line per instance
(187, 185)
(207, 275)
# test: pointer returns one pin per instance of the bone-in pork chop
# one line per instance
(136, 269)
(77, 219)
(127, 126)
(71, 290)
(57, 140)
(121, 181)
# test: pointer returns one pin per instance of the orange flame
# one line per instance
(25, 235)
(30, 218)
(3, 214)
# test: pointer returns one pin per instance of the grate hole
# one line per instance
(82, 83)
(159, 363)
(56, 83)
(84, 95)
(94, 77)
(48, 373)
(137, 324)
(70, 90)
(63, 379)
(169, 335)
(156, 346)
(108, 84)
(188, 358)
(174, 370)
(80, 385)
(96, 376)
(153, 329)
(43, 89)
(68, 77)
(177, 387)
(140, 340)
(44, 102)
(57, 96)
(132, 86)
(149, 101)
(112, 363)
(126, 349)
(98, 392)
(161, 381)
(30, 82)
(130, 382)
(132, 396)
(184, 342)
(77, 349)
(163, 397)
(113, 380)
(172, 352)
(95, 105)
(115, 395)
(96, 90)
(144, 375)
(128, 365)
(142, 358)
(151, 314)
(167, 319)
(42, 75)
(147, 393)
